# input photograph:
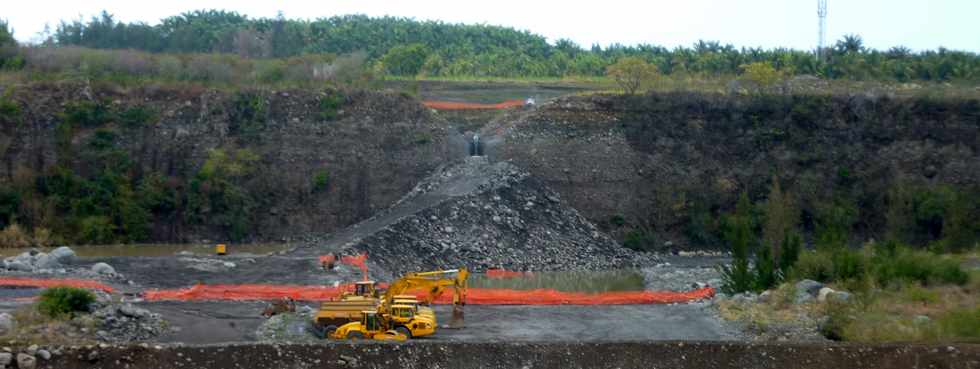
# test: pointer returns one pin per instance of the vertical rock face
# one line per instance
(482, 215)
(314, 172)
(658, 161)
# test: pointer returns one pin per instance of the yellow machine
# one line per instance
(369, 327)
(396, 310)
(434, 284)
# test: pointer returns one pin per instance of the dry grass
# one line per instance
(35, 328)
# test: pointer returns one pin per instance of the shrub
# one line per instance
(86, 114)
(61, 301)
(330, 104)
(617, 220)
(9, 112)
(906, 265)
(762, 74)
(961, 325)
(321, 181)
(815, 265)
(248, 114)
(640, 240)
(96, 230)
(14, 236)
(136, 117)
(632, 73)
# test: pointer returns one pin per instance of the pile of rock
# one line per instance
(28, 359)
(497, 217)
(61, 260)
(34, 261)
(809, 290)
(288, 327)
(127, 323)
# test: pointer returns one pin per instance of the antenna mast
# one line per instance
(822, 28)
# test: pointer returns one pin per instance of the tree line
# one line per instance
(408, 47)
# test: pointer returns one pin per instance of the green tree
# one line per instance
(762, 74)
(739, 277)
(632, 73)
(405, 60)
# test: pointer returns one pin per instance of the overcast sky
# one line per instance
(920, 24)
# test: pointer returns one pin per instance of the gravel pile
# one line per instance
(498, 217)
(127, 323)
(288, 327)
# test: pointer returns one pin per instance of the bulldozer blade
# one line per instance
(457, 320)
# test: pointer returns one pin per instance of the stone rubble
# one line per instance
(507, 220)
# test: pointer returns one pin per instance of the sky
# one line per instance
(919, 25)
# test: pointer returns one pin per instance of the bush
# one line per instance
(9, 112)
(640, 240)
(329, 105)
(86, 114)
(14, 237)
(906, 265)
(617, 220)
(815, 265)
(61, 301)
(961, 325)
(321, 181)
(136, 117)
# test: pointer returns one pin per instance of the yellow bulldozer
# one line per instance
(395, 310)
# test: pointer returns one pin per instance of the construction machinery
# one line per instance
(369, 326)
(396, 309)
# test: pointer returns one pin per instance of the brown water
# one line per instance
(158, 249)
(599, 281)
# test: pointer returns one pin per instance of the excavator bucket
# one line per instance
(457, 321)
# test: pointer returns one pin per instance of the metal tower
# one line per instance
(822, 30)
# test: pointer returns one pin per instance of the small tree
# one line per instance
(739, 277)
(781, 218)
(762, 74)
(631, 73)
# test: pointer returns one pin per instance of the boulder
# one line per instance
(19, 266)
(103, 268)
(822, 294)
(63, 254)
(806, 290)
(25, 361)
(839, 296)
(5, 359)
(132, 311)
(46, 261)
(44, 354)
(7, 324)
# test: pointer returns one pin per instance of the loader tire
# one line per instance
(355, 335)
(404, 330)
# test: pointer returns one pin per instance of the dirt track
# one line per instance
(219, 322)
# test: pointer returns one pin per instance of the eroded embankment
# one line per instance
(666, 164)
(523, 355)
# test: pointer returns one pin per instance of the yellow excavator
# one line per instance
(400, 312)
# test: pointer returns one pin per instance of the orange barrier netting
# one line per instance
(48, 283)
(453, 105)
(474, 296)
(360, 261)
(504, 273)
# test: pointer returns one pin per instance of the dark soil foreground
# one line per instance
(524, 355)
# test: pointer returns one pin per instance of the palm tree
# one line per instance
(851, 43)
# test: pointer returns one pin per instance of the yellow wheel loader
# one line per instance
(369, 327)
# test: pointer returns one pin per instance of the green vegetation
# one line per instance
(407, 47)
(632, 73)
(641, 240)
(217, 197)
(330, 104)
(321, 181)
(61, 301)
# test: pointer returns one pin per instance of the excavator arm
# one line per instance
(434, 284)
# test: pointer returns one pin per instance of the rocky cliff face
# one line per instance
(316, 160)
(657, 163)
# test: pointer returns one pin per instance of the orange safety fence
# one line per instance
(474, 296)
(360, 261)
(454, 105)
(504, 273)
(54, 282)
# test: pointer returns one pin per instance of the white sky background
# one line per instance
(919, 24)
